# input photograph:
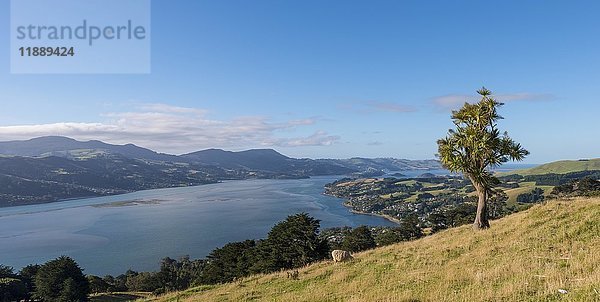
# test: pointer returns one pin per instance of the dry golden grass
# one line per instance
(527, 256)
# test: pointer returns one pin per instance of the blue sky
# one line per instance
(330, 78)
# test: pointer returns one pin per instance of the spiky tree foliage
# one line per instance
(476, 145)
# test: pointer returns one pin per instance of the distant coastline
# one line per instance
(390, 218)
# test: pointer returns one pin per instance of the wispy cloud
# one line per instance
(319, 138)
(455, 101)
(376, 106)
(174, 129)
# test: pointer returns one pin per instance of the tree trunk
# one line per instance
(481, 217)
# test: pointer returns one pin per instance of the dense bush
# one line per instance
(295, 242)
(229, 262)
(6, 272)
(142, 281)
(61, 280)
(536, 195)
(424, 196)
(408, 229)
(359, 239)
(583, 187)
(12, 289)
(335, 236)
(292, 243)
(97, 284)
(451, 216)
(497, 206)
(27, 275)
(552, 179)
(177, 275)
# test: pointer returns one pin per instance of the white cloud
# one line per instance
(174, 129)
(319, 138)
(455, 101)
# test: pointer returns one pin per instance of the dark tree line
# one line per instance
(536, 195)
(363, 237)
(292, 243)
(552, 179)
(586, 186)
(57, 280)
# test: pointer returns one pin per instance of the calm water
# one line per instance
(109, 235)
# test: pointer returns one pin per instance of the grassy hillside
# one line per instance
(527, 256)
(559, 167)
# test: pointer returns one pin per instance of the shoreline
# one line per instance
(387, 217)
(221, 181)
(5, 205)
(110, 194)
(353, 211)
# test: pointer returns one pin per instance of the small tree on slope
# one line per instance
(475, 146)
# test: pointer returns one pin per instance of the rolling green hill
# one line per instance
(528, 256)
(559, 167)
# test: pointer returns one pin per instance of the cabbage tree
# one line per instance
(476, 146)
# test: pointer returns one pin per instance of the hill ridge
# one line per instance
(559, 167)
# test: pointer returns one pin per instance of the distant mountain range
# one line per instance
(67, 147)
(52, 168)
